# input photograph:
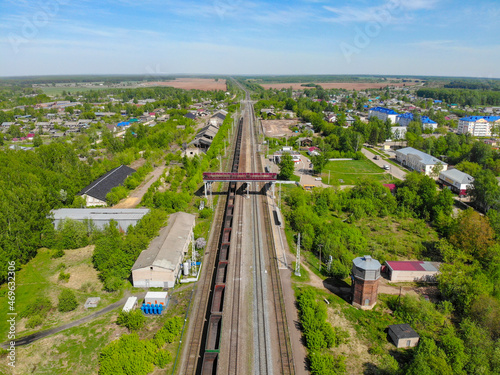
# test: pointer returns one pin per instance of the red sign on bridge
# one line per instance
(238, 177)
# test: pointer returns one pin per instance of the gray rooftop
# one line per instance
(97, 214)
(367, 263)
(165, 251)
(424, 158)
(403, 331)
(458, 176)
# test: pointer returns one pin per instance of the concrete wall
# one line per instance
(403, 343)
(93, 202)
(155, 278)
(400, 276)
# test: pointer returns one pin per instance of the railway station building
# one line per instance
(160, 264)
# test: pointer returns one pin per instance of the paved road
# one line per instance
(40, 335)
(396, 172)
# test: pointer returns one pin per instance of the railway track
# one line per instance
(226, 254)
(283, 338)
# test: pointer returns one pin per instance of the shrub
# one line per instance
(41, 307)
(64, 277)
(112, 284)
(162, 358)
(326, 364)
(87, 286)
(34, 321)
(67, 301)
(206, 213)
(133, 320)
(58, 253)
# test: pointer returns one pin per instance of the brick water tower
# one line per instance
(365, 277)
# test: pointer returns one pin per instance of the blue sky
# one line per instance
(417, 37)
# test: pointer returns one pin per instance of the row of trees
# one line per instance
(462, 96)
(320, 335)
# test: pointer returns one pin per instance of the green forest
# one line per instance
(466, 325)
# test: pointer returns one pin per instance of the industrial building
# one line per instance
(418, 160)
(95, 193)
(458, 181)
(400, 271)
(383, 114)
(403, 335)
(100, 217)
(160, 264)
(365, 279)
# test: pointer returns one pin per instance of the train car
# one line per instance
(210, 361)
(214, 334)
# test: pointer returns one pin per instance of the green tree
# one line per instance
(37, 141)
(473, 235)
(287, 167)
(429, 360)
(485, 192)
(469, 167)
(67, 301)
(319, 162)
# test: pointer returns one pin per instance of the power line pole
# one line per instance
(297, 260)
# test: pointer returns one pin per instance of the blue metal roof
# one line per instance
(384, 110)
(423, 119)
(125, 123)
(475, 118)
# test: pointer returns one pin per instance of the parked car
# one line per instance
(386, 167)
(376, 157)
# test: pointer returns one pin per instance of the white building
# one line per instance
(398, 132)
(156, 298)
(100, 216)
(408, 270)
(418, 160)
(478, 126)
(383, 114)
(160, 264)
(459, 181)
(406, 118)
(130, 304)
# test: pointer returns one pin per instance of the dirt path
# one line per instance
(135, 197)
(26, 340)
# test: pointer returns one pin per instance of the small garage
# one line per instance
(403, 336)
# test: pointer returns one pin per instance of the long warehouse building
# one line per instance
(160, 264)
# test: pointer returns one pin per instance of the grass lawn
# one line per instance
(352, 171)
(39, 277)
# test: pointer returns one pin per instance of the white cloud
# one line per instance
(388, 12)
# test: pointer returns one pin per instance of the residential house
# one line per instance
(383, 114)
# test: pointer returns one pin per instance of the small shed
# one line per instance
(403, 335)
(130, 304)
(156, 298)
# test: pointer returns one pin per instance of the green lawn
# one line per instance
(352, 171)
(39, 277)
